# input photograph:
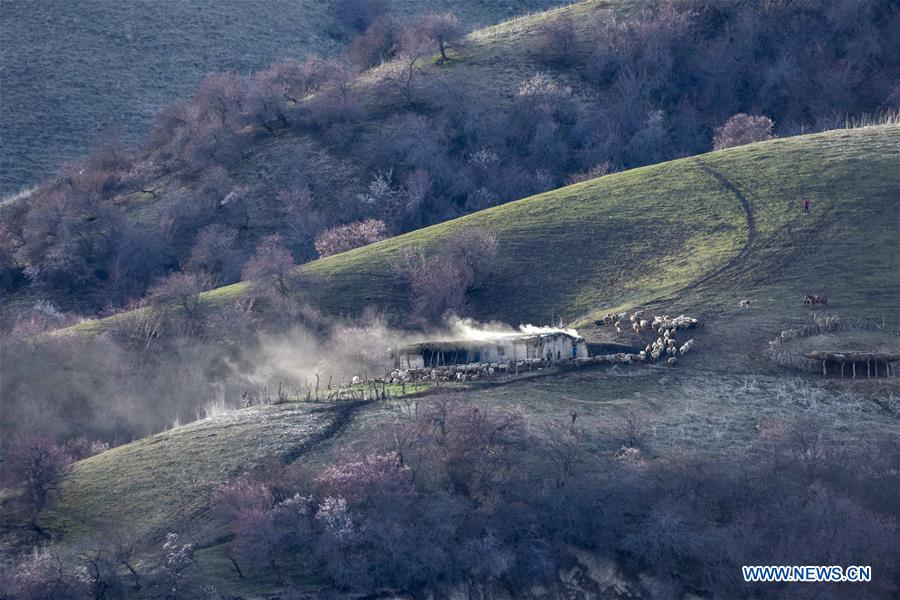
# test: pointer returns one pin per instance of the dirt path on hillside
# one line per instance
(344, 414)
(754, 244)
(751, 226)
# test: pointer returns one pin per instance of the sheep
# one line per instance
(636, 327)
(644, 324)
(745, 304)
(618, 330)
(686, 347)
(655, 355)
(491, 370)
(671, 351)
(672, 361)
(634, 318)
(622, 316)
(354, 380)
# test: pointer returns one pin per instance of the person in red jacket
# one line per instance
(806, 203)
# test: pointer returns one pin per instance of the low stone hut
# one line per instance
(497, 348)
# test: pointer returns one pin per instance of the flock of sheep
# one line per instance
(466, 372)
(665, 326)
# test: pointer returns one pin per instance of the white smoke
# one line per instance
(469, 329)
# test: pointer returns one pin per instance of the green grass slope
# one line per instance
(697, 233)
(168, 480)
(71, 71)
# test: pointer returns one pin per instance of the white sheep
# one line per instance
(672, 361)
(636, 327)
(644, 324)
(686, 347)
(460, 376)
(671, 351)
(745, 304)
(354, 380)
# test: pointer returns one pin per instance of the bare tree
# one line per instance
(221, 97)
(181, 290)
(37, 465)
(381, 42)
(743, 129)
(273, 260)
(557, 42)
(347, 237)
(214, 253)
(441, 30)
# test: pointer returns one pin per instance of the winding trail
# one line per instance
(345, 411)
(751, 226)
(736, 260)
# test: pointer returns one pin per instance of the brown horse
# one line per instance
(813, 299)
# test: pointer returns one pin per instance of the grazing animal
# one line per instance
(813, 299)
(745, 304)
(672, 361)
(355, 380)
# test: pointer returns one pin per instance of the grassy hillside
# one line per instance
(697, 234)
(124, 485)
(702, 231)
(73, 71)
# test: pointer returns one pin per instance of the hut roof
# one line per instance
(474, 343)
(854, 356)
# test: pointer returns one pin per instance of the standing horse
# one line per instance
(812, 299)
